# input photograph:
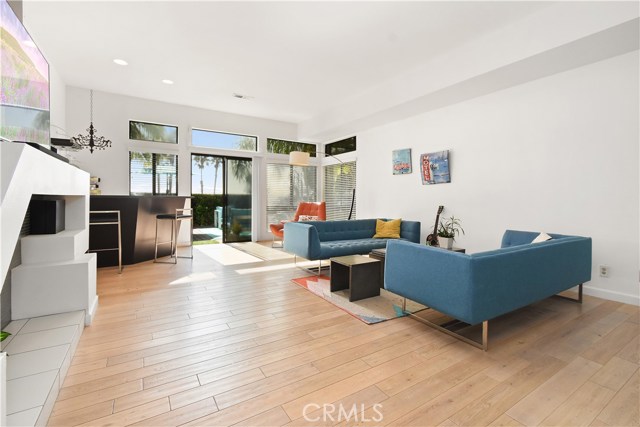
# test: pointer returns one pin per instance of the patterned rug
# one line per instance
(370, 310)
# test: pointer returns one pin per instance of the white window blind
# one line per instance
(339, 183)
(153, 174)
(287, 186)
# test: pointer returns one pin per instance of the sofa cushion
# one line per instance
(516, 238)
(345, 230)
(335, 248)
(387, 229)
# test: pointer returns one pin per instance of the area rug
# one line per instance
(261, 251)
(370, 310)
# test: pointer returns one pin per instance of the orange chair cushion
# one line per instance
(277, 230)
(318, 209)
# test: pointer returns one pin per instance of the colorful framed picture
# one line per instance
(401, 161)
(435, 168)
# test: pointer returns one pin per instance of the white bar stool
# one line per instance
(185, 214)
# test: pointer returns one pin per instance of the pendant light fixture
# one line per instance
(91, 141)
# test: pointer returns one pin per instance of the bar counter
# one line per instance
(138, 218)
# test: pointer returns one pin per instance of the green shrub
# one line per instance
(204, 206)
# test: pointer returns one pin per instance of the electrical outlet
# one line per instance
(604, 271)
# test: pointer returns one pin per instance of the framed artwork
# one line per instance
(435, 167)
(401, 161)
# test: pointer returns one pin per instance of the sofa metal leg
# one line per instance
(483, 345)
(578, 300)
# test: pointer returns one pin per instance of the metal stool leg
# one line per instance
(155, 257)
(119, 244)
(174, 240)
(179, 221)
(109, 221)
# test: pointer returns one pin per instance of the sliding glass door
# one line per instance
(221, 198)
(238, 200)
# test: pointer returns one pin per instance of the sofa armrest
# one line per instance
(435, 277)
(514, 277)
(302, 240)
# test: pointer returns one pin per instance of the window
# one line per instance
(153, 132)
(153, 174)
(287, 186)
(206, 174)
(281, 146)
(339, 183)
(227, 141)
(340, 147)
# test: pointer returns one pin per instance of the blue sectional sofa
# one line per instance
(478, 287)
(318, 240)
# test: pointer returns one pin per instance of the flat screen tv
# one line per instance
(24, 89)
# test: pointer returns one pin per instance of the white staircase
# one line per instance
(56, 277)
(40, 352)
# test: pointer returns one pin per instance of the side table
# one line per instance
(359, 274)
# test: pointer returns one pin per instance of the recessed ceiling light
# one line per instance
(120, 62)
(167, 81)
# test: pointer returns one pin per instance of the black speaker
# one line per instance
(46, 216)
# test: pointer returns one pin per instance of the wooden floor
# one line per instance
(227, 339)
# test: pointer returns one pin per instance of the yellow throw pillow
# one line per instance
(388, 229)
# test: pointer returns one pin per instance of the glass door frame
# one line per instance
(225, 196)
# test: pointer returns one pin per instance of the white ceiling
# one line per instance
(296, 59)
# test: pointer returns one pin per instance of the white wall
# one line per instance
(112, 113)
(559, 154)
(111, 118)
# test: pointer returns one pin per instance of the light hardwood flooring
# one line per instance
(227, 339)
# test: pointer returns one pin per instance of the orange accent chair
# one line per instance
(318, 209)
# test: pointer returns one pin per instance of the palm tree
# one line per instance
(242, 169)
(281, 146)
(217, 161)
(201, 162)
(152, 132)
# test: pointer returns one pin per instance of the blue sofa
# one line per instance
(318, 240)
(478, 287)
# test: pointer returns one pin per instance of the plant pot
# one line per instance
(446, 242)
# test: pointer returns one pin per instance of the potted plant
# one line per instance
(449, 229)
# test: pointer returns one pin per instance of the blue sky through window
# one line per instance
(203, 180)
(206, 138)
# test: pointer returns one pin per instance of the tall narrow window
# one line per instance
(287, 186)
(153, 174)
(339, 183)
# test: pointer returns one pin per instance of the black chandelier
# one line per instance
(91, 141)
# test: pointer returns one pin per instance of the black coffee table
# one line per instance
(359, 274)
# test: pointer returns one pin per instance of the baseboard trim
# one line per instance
(91, 312)
(612, 295)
